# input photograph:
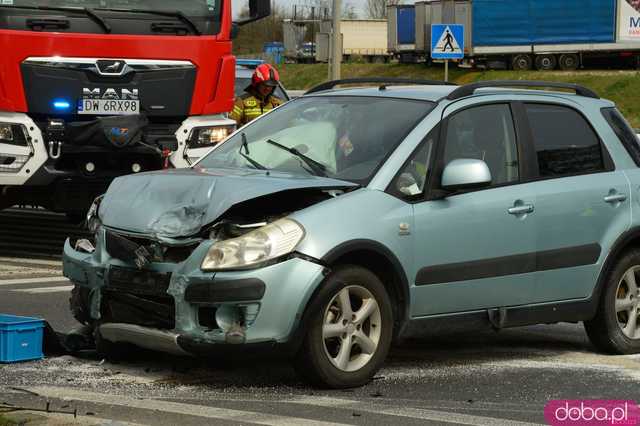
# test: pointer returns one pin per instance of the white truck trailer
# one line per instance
(366, 39)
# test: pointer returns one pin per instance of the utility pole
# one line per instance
(336, 42)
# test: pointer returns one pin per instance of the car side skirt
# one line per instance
(498, 318)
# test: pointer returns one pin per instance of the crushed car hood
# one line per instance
(178, 203)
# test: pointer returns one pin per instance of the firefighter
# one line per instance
(259, 98)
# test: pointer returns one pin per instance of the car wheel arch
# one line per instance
(380, 260)
(625, 242)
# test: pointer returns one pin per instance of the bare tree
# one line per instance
(348, 9)
(377, 9)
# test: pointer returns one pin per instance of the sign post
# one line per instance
(447, 42)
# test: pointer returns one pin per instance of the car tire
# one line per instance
(610, 330)
(321, 360)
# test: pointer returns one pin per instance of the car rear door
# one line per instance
(476, 249)
(582, 204)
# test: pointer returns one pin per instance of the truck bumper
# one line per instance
(67, 177)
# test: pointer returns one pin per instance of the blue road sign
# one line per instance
(447, 41)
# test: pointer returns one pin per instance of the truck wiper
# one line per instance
(171, 13)
(317, 167)
(87, 11)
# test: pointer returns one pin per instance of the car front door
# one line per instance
(475, 250)
(583, 203)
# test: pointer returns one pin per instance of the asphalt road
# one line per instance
(474, 378)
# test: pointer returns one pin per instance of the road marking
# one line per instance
(58, 279)
(41, 290)
(20, 260)
(413, 413)
(177, 408)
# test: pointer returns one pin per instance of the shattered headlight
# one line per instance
(267, 243)
(93, 220)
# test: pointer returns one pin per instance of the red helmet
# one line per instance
(266, 74)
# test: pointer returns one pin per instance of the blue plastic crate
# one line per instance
(20, 338)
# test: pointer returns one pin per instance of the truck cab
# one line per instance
(94, 90)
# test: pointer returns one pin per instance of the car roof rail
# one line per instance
(469, 89)
(383, 81)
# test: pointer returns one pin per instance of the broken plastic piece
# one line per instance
(85, 246)
(236, 335)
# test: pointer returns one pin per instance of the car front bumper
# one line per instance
(270, 300)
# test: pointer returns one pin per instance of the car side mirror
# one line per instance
(464, 174)
(258, 9)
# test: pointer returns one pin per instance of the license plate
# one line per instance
(108, 107)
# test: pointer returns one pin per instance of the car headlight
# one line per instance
(256, 247)
(208, 136)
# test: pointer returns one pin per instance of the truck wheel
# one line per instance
(546, 62)
(569, 62)
(616, 326)
(350, 326)
(521, 63)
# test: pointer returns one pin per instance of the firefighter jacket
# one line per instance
(248, 107)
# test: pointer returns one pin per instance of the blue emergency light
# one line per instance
(61, 104)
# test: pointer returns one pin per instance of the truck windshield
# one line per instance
(192, 17)
(342, 137)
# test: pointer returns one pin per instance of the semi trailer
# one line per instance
(401, 32)
(540, 34)
(94, 90)
(361, 39)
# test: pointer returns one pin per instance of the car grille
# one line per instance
(138, 297)
(130, 249)
(138, 282)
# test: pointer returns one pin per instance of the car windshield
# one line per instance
(342, 137)
(243, 83)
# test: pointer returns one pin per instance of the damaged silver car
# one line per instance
(350, 217)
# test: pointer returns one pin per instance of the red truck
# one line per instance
(94, 89)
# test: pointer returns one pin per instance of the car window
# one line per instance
(485, 133)
(414, 175)
(564, 142)
(346, 137)
(625, 133)
(243, 83)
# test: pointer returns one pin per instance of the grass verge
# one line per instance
(5, 421)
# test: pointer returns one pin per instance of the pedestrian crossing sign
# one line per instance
(447, 41)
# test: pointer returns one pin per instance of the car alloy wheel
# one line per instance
(348, 327)
(615, 329)
(351, 328)
(627, 303)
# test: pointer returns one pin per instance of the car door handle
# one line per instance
(523, 209)
(615, 198)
